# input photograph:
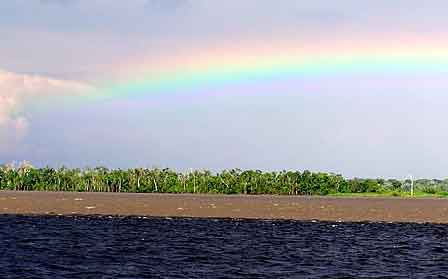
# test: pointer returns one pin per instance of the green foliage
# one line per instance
(235, 181)
(395, 194)
(429, 190)
(396, 184)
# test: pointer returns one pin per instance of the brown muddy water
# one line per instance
(226, 206)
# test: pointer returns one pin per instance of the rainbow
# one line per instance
(227, 66)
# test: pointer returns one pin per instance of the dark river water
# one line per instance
(106, 247)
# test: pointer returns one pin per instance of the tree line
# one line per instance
(235, 181)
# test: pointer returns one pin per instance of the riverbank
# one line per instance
(227, 206)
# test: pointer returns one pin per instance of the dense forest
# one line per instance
(27, 178)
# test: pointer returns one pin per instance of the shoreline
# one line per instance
(322, 208)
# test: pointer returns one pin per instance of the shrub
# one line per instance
(429, 190)
(396, 194)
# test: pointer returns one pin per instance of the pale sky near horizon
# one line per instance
(53, 53)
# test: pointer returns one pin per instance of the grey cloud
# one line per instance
(353, 125)
(202, 18)
(167, 5)
(58, 2)
(323, 17)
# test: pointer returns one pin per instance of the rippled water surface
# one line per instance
(106, 247)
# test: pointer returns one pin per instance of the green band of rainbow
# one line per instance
(230, 74)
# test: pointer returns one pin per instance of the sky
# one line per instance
(351, 87)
